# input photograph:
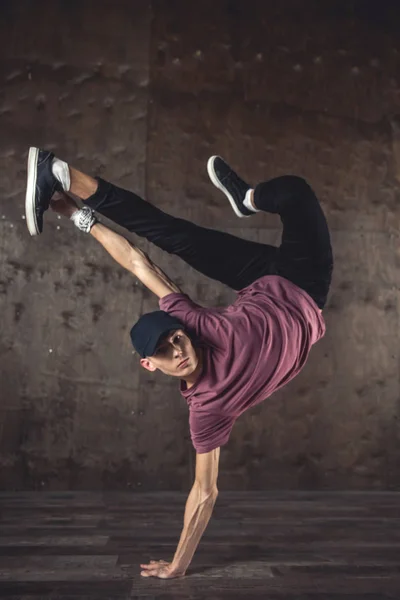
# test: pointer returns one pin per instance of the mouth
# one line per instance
(183, 363)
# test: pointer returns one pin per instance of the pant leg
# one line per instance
(305, 255)
(233, 261)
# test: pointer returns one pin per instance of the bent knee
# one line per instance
(296, 183)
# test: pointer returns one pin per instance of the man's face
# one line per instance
(173, 348)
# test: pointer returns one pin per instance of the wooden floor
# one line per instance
(298, 545)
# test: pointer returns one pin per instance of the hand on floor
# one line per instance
(160, 569)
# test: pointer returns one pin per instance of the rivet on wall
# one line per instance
(82, 78)
(13, 75)
(40, 102)
(108, 102)
(122, 69)
(58, 65)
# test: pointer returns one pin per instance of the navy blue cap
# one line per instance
(149, 328)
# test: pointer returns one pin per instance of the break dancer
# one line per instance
(227, 359)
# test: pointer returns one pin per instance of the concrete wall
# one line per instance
(142, 95)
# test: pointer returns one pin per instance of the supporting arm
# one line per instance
(199, 508)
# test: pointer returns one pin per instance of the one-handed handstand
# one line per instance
(229, 359)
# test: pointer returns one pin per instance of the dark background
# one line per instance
(142, 94)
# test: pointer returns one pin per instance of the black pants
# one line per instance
(304, 256)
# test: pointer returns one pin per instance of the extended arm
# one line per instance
(126, 254)
(134, 260)
(199, 508)
(198, 511)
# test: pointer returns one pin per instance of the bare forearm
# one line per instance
(198, 512)
(154, 278)
(125, 253)
(134, 260)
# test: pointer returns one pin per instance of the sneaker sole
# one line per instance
(30, 211)
(213, 176)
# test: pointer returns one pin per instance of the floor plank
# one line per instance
(286, 545)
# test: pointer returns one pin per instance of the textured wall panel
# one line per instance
(339, 57)
(310, 89)
(349, 165)
(70, 82)
(302, 87)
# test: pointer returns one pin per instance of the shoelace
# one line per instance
(84, 219)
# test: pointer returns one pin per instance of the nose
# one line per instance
(177, 351)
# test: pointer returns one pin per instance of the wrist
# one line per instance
(84, 218)
(177, 569)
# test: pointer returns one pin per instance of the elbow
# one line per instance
(207, 495)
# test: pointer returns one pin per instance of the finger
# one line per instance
(149, 573)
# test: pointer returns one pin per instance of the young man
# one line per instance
(227, 360)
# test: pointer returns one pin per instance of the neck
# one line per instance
(191, 379)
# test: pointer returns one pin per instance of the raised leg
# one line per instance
(221, 256)
(305, 254)
(82, 185)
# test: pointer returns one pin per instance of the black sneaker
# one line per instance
(233, 187)
(41, 185)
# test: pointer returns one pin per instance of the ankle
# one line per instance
(82, 185)
(248, 201)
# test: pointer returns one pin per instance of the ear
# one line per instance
(147, 364)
